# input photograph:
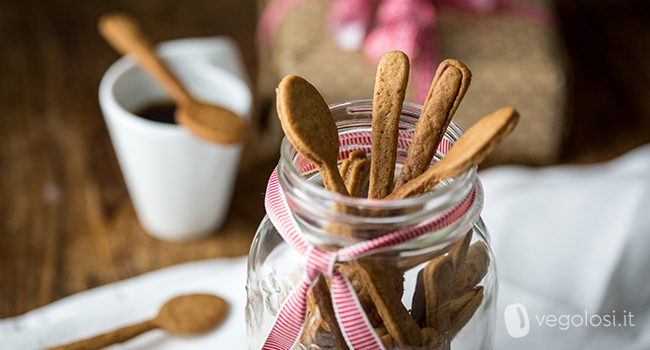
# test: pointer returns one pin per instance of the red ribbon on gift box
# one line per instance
(379, 26)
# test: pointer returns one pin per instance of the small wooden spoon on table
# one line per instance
(309, 126)
(470, 150)
(209, 122)
(183, 315)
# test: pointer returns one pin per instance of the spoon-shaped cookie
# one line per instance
(470, 149)
(390, 88)
(209, 122)
(447, 90)
(183, 315)
(355, 172)
(309, 126)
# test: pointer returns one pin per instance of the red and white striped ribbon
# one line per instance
(353, 322)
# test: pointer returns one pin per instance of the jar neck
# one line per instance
(329, 219)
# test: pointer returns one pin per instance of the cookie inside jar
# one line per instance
(396, 259)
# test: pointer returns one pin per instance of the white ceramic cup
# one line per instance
(180, 186)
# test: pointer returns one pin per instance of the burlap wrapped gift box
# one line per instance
(515, 62)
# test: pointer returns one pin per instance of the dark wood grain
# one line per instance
(66, 221)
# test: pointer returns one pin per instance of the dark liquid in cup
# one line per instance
(160, 112)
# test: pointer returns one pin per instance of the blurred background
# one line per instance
(66, 220)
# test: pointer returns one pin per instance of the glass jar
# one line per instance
(441, 284)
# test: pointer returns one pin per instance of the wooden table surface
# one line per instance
(66, 220)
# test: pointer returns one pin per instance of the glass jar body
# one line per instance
(460, 308)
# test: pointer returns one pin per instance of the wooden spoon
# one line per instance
(183, 315)
(206, 121)
(309, 126)
(470, 149)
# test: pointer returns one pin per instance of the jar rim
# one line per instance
(438, 193)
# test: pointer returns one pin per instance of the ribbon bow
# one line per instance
(379, 26)
(354, 324)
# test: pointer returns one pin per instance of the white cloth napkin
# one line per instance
(569, 240)
(134, 300)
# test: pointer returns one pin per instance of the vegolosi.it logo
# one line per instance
(517, 322)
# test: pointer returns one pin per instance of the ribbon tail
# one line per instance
(355, 326)
(349, 21)
(290, 322)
